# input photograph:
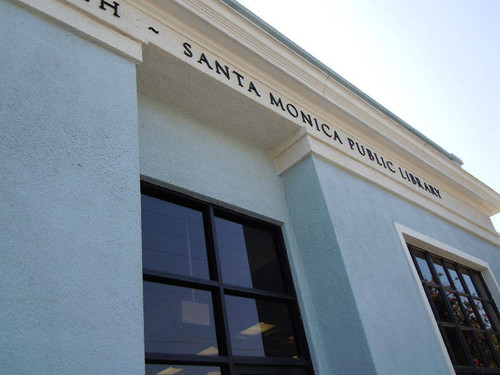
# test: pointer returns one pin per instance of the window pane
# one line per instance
(173, 238)
(468, 281)
(181, 370)
(482, 338)
(260, 328)
(178, 320)
(248, 256)
(454, 276)
(423, 266)
(474, 351)
(441, 273)
(249, 370)
(491, 319)
(457, 310)
(478, 283)
(473, 343)
(456, 346)
(496, 343)
(482, 313)
(469, 311)
(441, 308)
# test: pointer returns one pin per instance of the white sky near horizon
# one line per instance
(433, 63)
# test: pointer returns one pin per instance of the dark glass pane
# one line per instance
(478, 283)
(491, 317)
(483, 315)
(496, 343)
(423, 266)
(248, 256)
(468, 281)
(454, 277)
(440, 305)
(467, 303)
(473, 349)
(181, 370)
(483, 341)
(457, 310)
(441, 273)
(456, 346)
(178, 320)
(260, 328)
(173, 238)
(249, 370)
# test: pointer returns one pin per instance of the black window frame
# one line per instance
(228, 362)
(453, 322)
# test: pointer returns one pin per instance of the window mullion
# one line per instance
(493, 305)
(481, 323)
(167, 269)
(448, 307)
(476, 313)
(446, 340)
(448, 275)
(413, 257)
(431, 302)
(488, 296)
(223, 329)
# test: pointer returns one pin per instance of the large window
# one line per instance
(466, 314)
(218, 295)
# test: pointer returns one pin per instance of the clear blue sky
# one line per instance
(434, 63)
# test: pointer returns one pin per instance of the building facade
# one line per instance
(185, 188)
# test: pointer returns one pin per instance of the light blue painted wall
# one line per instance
(192, 156)
(70, 249)
(396, 324)
(339, 329)
(70, 214)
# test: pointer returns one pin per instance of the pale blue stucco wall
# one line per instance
(192, 156)
(396, 325)
(70, 266)
(340, 329)
(70, 249)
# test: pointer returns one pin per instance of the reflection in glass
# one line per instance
(457, 310)
(173, 238)
(260, 328)
(441, 308)
(441, 272)
(492, 317)
(456, 348)
(469, 310)
(251, 370)
(482, 313)
(478, 283)
(496, 343)
(468, 281)
(473, 349)
(454, 276)
(248, 256)
(423, 266)
(181, 370)
(490, 359)
(178, 320)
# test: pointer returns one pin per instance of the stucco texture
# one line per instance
(396, 324)
(192, 156)
(70, 268)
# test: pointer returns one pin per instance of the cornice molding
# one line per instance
(230, 36)
(451, 209)
(96, 29)
(250, 36)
